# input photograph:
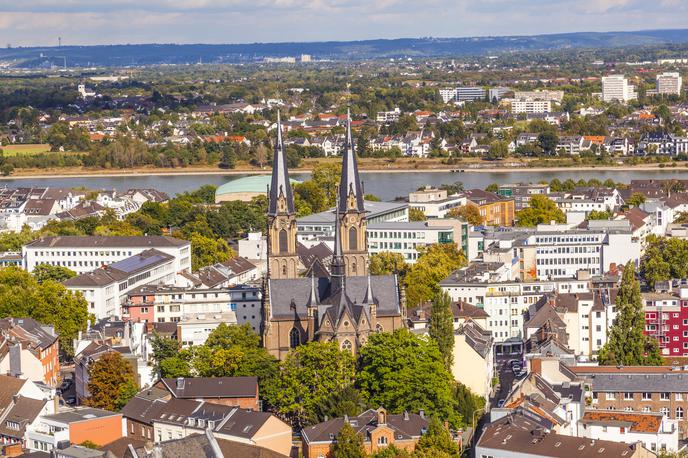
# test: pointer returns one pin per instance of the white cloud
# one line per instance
(242, 21)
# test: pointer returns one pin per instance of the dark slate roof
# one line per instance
(406, 425)
(120, 270)
(243, 423)
(97, 241)
(198, 445)
(29, 332)
(641, 381)
(146, 405)
(285, 292)
(520, 435)
(213, 387)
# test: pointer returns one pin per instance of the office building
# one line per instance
(435, 203)
(82, 254)
(669, 83)
(616, 88)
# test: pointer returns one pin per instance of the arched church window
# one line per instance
(284, 270)
(353, 267)
(294, 338)
(283, 241)
(346, 345)
(353, 239)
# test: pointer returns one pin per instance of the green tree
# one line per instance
(391, 451)
(469, 212)
(50, 303)
(442, 326)
(44, 272)
(636, 199)
(627, 345)
(599, 215)
(665, 258)
(434, 263)
(387, 263)
(163, 348)
(206, 251)
(548, 141)
(111, 382)
(326, 177)
(349, 444)
(416, 214)
(492, 187)
(173, 367)
(339, 403)
(436, 440)
(542, 210)
(402, 371)
(308, 376)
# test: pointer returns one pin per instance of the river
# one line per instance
(386, 186)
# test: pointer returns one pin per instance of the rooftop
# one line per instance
(100, 241)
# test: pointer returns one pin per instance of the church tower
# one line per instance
(282, 257)
(352, 220)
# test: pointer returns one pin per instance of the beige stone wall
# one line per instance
(274, 435)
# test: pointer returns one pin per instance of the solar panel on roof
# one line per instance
(137, 262)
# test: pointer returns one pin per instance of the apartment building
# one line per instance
(669, 83)
(544, 94)
(529, 106)
(470, 93)
(195, 329)
(495, 210)
(666, 319)
(617, 88)
(82, 254)
(388, 116)
(106, 288)
(522, 192)
(644, 389)
(656, 432)
(435, 203)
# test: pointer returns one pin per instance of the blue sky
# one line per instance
(40, 22)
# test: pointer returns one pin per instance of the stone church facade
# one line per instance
(346, 306)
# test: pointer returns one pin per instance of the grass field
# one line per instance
(16, 150)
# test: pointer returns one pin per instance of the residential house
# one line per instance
(230, 391)
(378, 429)
(29, 349)
(495, 210)
(656, 432)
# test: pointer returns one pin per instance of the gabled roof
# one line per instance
(648, 423)
(212, 387)
(405, 426)
(23, 412)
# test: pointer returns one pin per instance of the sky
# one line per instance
(84, 22)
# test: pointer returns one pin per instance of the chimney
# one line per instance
(180, 383)
(406, 415)
(421, 413)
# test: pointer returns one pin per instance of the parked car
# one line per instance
(501, 402)
(66, 384)
(516, 369)
(70, 400)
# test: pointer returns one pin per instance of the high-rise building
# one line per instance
(616, 87)
(669, 83)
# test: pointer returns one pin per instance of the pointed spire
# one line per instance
(280, 185)
(350, 180)
(369, 297)
(313, 299)
(337, 268)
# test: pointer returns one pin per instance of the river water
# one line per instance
(386, 186)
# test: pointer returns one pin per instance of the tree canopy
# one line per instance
(542, 210)
(627, 344)
(434, 263)
(111, 382)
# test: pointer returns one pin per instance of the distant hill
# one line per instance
(152, 54)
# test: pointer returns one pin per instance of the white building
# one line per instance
(616, 88)
(435, 203)
(84, 253)
(545, 94)
(194, 330)
(654, 430)
(529, 106)
(406, 238)
(669, 83)
(448, 94)
(388, 116)
(105, 289)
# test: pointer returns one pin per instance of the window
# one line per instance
(283, 241)
(382, 440)
(664, 411)
(647, 396)
(664, 396)
(678, 396)
(346, 345)
(353, 239)
(679, 413)
(628, 396)
(611, 396)
(294, 338)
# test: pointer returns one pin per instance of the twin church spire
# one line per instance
(350, 221)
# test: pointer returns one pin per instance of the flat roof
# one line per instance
(408, 226)
(77, 414)
(374, 209)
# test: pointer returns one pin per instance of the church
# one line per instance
(344, 304)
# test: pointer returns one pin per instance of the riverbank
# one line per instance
(25, 174)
